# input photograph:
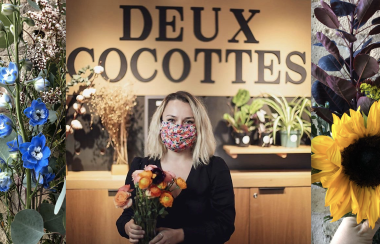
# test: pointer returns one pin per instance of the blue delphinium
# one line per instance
(37, 113)
(5, 181)
(13, 146)
(5, 126)
(9, 74)
(47, 178)
(35, 154)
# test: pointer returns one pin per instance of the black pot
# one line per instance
(264, 140)
(242, 139)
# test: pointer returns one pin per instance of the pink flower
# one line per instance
(135, 176)
(169, 176)
(126, 188)
(150, 167)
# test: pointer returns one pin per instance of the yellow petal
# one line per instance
(317, 177)
(373, 214)
(357, 123)
(354, 193)
(373, 121)
(328, 180)
(337, 190)
(321, 162)
(320, 144)
(343, 208)
(334, 155)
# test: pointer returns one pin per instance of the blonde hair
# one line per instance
(204, 147)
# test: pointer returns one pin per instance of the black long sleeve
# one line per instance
(127, 214)
(220, 228)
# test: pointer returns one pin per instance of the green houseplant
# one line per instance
(288, 119)
(242, 121)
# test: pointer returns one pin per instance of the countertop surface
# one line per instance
(96, 180)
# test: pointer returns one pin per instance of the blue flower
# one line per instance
(35, 154)
(8, 74)
(13, 145)
(47, 178)
(37, 113)
(5, 181)
(5, 126)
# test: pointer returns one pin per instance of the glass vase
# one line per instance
(149, 226)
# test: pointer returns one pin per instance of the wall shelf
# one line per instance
(234, 151)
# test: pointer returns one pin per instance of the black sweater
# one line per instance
(205, 210)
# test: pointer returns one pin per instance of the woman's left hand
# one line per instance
(168, 236)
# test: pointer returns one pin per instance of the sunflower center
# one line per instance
(361, 161)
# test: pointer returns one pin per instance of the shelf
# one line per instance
(233, 151)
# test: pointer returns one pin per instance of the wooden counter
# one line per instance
(97, 180)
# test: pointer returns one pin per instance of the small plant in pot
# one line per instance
(289, 119)
(242, 121)
(265, 128)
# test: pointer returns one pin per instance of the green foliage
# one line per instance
(289, 114)
(27, 227)
(370, 91)
(241, 98)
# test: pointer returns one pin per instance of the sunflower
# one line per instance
(350, 165)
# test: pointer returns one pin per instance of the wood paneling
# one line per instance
(241, 234)
(280, 217)
(91, 218)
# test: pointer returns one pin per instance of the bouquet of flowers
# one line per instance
(153, 195)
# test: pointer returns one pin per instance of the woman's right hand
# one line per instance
(135, 232)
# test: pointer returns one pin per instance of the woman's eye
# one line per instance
(189, 122)
(171, 120)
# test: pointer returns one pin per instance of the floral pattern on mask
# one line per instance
(178, 137)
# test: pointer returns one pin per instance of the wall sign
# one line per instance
(209, 48)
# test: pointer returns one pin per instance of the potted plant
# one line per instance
(264, 128)
(289, 119)
(242, 121)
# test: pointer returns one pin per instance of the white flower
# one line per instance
(88, 92)
(5, 101)
(98, 69)
(82, 110)
(76, 106)
(69, 129)
(261, 128)
(76, 124)
(8, 9)
(41, 84)
(80, 98)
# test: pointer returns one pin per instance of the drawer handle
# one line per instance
(271, 188)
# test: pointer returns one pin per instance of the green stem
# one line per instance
(18, 111)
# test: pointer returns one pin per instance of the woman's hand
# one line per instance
(349, 232)
(168, 236)
(134, 231)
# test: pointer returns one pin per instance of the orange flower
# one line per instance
(162, 185)
(155, 191)
(166, 199)
(146, 174)
(181, 183)
(145, 182)
(122, 200)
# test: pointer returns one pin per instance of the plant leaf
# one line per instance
(52, 222)
(60, 198)
(342, 87)
(324, 113)
(366, 8)
(348, 36)
(363, 46)
(365, 66)
(365, 104)
(323, 94)
(376, 21)
(341, 8)
(375, 30)
(327, 17)
(27, 227)
(328, 44)
(34, 5)
(329, 63)
(369, 48)
(319, 73)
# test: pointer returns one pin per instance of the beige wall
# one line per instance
(281, 25)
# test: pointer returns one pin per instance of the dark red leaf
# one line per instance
(319, 74)
(366, 8)
(327, 17)
(365, 104)
(324, 113)
(376, 21)
(377, 82)
(368, 49)
(328, 44)
(348, 36)
(375, 30)
(365, 66)
(342, 87)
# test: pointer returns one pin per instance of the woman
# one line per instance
(204, 212)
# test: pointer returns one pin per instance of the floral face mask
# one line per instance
(178, 137)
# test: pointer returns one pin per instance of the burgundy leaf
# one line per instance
(342, 88)
(327, 17)
(366, 8)
(368, 49)
(365, 104)
(377, 82)
(376, 21)
(348, 36)
(324, 113)
(319, 74)
(375, 30)
(328, 44)
(365, 66)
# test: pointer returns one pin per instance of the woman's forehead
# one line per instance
(178, 109)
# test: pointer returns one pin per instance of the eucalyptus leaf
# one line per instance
(52, 222)
(27, 227)
(34, 5)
